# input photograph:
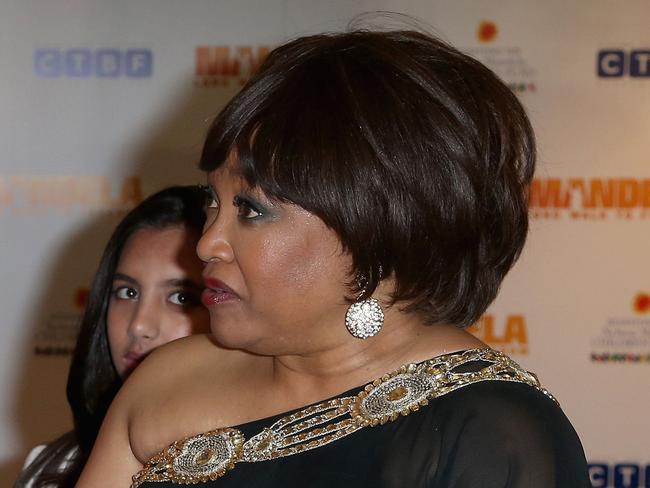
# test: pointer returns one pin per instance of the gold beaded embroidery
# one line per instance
(208, 456)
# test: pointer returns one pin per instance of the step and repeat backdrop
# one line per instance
(104, 102)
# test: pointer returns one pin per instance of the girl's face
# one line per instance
(155, 296)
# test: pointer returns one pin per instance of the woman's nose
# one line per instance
(215, 243)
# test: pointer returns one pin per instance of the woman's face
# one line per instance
(275, 274)
(155, 296)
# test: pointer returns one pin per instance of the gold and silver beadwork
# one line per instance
(392, 395)
(209, 456)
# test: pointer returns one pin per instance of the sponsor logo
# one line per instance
(509, 336)
(487, 31)
(642, 303)
(37, 195)
(620, 358)
(57, 335)
(93, 63)
(508, 62)
(620, 475)
(81, 297)
(625, 339)
(616, 63)
(590, 199)
(227, 66)
(522, 87)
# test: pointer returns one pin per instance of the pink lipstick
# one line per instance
(216, 292)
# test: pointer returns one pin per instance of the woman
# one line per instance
(369, 193)
(146, 293)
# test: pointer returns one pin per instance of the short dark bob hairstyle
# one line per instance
(415, 154)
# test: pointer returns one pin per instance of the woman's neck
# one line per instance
(350, 362)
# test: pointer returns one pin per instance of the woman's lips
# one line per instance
(216, 292)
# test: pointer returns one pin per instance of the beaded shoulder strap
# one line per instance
(210, 455)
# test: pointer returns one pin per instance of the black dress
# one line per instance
(488, 424)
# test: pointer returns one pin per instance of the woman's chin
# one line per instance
(250, 343)
(233, 337)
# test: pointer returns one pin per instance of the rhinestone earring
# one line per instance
(364, 318)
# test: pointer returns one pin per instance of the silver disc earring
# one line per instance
(364, 318)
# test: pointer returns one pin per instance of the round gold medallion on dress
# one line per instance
(209, 455)
(400, 394)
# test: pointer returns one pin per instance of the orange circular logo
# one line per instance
(81, 297)
(487, 31)
(642, 303)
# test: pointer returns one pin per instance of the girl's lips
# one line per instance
(133, 358)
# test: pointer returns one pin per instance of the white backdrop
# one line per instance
(104, 102)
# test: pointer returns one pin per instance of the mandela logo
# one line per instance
(227, 66)
(509, 336)
(43, 194)
(590, 199)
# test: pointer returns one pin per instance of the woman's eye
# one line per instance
(246, 209)
(126, 293)
(211, 197)
(247, 212)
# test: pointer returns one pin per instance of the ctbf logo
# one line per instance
(615, 63)
(623, 475)
(87, 63)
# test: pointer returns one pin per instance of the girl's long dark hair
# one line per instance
(93, 380)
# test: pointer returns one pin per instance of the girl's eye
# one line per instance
(126, 293)
(247, 209)
(183, 298)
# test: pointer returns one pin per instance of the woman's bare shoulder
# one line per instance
(197, 357)
(187, 387)
(188, 352)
